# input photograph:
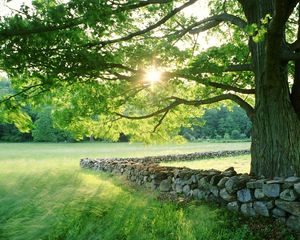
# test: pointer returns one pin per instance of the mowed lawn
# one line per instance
(240, 163)
(45, 195)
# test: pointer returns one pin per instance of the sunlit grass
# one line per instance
(75, 151)
(240, 163)
(45, 195)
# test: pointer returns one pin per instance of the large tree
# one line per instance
(89, 59)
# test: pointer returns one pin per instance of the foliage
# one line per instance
(9, 133)
(218, 122)
(44, 130)
(71, 68)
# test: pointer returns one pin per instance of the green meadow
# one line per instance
(45, 195)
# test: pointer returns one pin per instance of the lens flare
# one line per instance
(153, 75)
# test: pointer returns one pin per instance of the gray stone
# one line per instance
(276, 181)
(226, 196)
(215, 179)
(233, 206)
(297, 187)
(178, 187)
(292, 180)
(291, 207)
(165, 185)
(196, 193)
(186, 189)
(221, 183)
(204, 183)
(148, 184)
(248, 210)
(293, 223)
(261, 209)
(215, 191)
(277, 212)
(236, 183)
(145, 178)
(244, 195)
(199, 194)
(229, 169)
(133, 178)
(259, 194)
(229, 173)
(193, 179)
(271, 190)
(255, 184)
(270, 204)
(288, 195)
(153, 185)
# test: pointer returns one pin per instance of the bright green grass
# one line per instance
(45, 195)
(240, 163)
(76, 151)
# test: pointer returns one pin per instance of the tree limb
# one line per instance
(142, 4)
(290, 56)
(295, 45)
(143, 31)
(213, 21)
(239, 68)
(179, 101)
(211, 83)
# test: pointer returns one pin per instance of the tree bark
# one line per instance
(275, 148)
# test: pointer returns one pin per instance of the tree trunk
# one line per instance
(275, 149)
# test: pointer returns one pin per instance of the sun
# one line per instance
(152, 75)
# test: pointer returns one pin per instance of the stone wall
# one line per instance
(181, 157)
(278, 198)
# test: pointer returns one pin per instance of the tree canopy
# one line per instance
(89, 59)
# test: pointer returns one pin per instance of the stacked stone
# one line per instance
(278, 198)
(180, 157)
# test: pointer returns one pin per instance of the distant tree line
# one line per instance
(216, 124)
(219, 123)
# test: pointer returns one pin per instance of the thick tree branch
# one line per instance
(290, 56)
(283, 9)
(239, 68)
(142, 4)
(213, 21)
(143, 31)
(295, 45)
(209, 83)
(179, 101)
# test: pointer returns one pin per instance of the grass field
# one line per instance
(240, 163)
(45, 195)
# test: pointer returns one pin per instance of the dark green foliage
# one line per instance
(44, 130)
(9, 133)
(220, 123)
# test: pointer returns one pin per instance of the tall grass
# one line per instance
(45, 195)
